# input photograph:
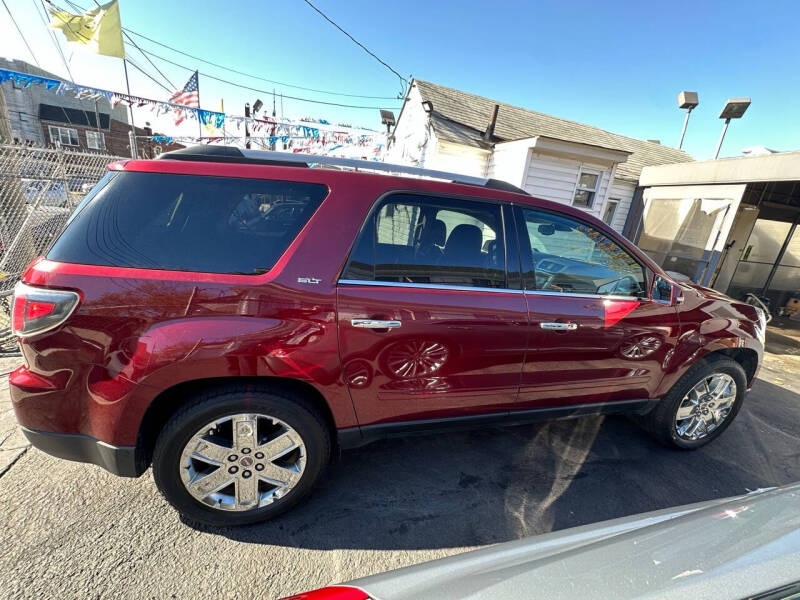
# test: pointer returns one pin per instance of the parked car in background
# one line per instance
(729, 549)
(235, 317)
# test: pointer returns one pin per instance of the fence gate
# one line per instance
(39, 189)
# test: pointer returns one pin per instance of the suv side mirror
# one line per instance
(665, 292)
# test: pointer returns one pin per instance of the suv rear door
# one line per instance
(428, 326)
(595, 334)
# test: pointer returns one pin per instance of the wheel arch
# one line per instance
(172, 399)
(746, 357)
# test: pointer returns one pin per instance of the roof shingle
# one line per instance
(462, 118)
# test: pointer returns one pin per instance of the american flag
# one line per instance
(188, 96)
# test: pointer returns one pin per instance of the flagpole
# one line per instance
(132, 133)
(199, 122)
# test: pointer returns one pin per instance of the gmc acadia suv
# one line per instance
(235, 317)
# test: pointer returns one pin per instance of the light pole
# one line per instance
(687, 100)
(734, 109)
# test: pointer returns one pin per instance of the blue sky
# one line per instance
(616, 65)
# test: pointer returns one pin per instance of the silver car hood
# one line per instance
(730, 548)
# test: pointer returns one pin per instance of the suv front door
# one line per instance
(596, 337)
(428, 326)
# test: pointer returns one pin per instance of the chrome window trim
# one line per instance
(577, 295)
(428, 286)
(466, 288)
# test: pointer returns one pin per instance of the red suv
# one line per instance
(235, 317)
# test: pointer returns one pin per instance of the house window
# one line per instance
(611, 210)
(586, 188)
(95, 140)
(66, 136)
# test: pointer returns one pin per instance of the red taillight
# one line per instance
(34, 309)
(37, 310)
(334, 592)
(18, 312)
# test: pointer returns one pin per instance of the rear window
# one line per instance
(188, 223)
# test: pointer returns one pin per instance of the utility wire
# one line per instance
(252, 89)
(232, 70)
(27, 45)
(52, 35)
(147, 52)
(138, 68)
(146, 74)
(132, 41)
(172, 85)
(362, 46)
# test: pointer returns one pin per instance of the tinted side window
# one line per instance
(188, 223)
(416, 239)
(572, 257)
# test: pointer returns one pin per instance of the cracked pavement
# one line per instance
(74, 531)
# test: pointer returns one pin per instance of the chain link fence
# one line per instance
(39, 189)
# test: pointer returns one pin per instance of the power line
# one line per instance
(232, 70)
(13, 20)
(252, 89)
(132, 41)
(138, 68)
(146, 74)
(362, 46)
(52, 36)
(147, 52)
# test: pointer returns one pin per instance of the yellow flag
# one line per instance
(99, 29)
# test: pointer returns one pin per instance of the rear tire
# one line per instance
(227, 434)
(663, 421)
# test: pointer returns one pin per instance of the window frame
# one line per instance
(93, 134)
(199, 274)
(69, 131)
(529, 270)
(509, 241)
(582, 188)
(615, 202)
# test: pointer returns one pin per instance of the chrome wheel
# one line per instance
(705, 407)
(242, 462)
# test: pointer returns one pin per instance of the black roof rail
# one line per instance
(231, 154)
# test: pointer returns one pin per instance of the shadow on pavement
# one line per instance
(495, 485)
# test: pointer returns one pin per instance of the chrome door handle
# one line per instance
(559, 326)
(374, 324)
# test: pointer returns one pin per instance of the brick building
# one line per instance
(45, 118)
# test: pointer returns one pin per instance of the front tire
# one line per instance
(700, 406)
(240, 455)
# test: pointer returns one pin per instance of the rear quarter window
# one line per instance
(188, 223)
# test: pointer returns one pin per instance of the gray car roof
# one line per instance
(723, 549)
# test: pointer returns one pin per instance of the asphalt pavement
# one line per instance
(74, 531)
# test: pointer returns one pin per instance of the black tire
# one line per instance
(292, 409)
(660, 422)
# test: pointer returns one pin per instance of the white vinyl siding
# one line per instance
(413, 138)
(456, 158)
(554, 178)
(622, 190)
(507, 162)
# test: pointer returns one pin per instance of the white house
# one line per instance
(551, 158)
